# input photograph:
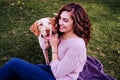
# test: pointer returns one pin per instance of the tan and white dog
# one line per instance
(44, 28)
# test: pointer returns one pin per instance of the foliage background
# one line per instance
(16, 40)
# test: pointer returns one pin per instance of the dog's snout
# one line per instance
(47, 30)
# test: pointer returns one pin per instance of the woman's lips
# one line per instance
(62, 27)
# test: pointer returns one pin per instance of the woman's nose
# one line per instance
(60, 22)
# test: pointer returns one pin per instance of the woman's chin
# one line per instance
(61, 30)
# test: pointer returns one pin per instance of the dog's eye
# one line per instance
(41, 24)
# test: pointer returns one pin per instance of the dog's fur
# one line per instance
(44, 28)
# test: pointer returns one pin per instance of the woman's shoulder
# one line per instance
(77, 42)
(74, 41)
(77, 39)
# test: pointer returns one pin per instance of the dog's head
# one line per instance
(44, 27)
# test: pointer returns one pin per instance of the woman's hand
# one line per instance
(54, 42)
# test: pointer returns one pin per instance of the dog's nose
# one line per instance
(47, 30)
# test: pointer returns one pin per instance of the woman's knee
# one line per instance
(14, 61)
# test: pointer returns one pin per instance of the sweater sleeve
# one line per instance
(75, 55)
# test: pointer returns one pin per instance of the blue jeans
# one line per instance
(25, 71)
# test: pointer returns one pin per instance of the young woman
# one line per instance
(68, 51)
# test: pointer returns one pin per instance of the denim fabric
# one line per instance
(25, 71)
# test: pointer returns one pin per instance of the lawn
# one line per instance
(16, 40)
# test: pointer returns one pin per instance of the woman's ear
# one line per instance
(34, 29)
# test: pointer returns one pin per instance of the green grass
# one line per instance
(16, 40)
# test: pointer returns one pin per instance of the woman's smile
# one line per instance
(62, 28)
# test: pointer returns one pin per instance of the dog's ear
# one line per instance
(34, 28)
(53, 22)
(55, 15)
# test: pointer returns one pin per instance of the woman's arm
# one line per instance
(54, 46)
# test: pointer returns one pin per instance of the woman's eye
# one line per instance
(66, 20)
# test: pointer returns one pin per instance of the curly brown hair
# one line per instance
(81, 22)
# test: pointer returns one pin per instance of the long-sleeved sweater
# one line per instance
(72, 57)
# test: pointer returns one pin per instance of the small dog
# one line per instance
(44, 28)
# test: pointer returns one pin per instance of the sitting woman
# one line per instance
(68, 50)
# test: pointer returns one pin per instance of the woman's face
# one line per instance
(65, 22)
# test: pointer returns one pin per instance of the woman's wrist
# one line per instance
(54, 49)
(55, 52)
(54, 56)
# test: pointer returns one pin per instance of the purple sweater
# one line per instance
(72, 57)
